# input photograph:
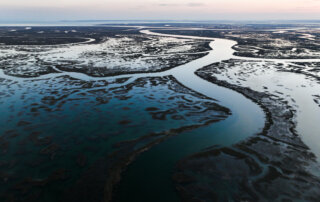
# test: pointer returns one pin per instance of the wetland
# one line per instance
(159, 113)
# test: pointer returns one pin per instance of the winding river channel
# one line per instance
(155, 166)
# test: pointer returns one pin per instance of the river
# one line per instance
(152, 170)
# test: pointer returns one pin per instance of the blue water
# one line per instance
(149, 178)
(47, 125)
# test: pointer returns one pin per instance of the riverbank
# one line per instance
(273, 165)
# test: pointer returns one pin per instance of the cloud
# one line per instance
(181, 5)
(195, 4)
(168, 5)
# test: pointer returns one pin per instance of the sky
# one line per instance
(48, 10)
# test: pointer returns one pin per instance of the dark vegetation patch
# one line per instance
(264, 41)
(56, 35)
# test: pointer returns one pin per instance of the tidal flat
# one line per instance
(63, 134)
(158, 112)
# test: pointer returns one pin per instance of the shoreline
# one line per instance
(252, 95)
(275, 158)
(291, 143)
